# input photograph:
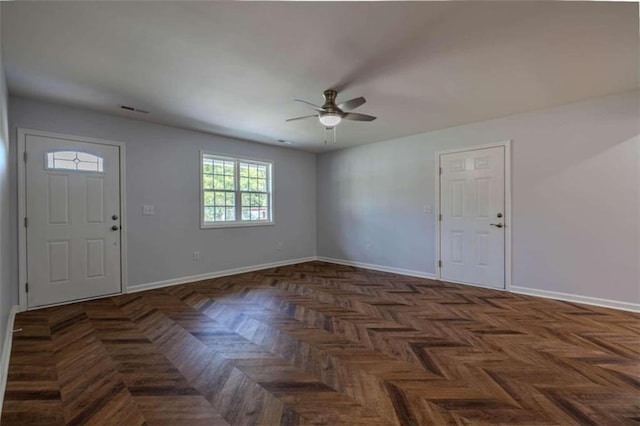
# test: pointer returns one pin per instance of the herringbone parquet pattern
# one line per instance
(317, 343)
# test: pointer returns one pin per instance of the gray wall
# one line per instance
(575, 197)
(6, 248)
(575, 189)
(162, 168)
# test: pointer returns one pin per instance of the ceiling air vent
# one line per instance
(128, 108)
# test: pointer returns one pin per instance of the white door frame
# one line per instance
(22, 208)
(507, 206)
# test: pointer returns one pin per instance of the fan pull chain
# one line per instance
(335, 138)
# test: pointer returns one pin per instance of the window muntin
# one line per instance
(74, 160)
(235, 191)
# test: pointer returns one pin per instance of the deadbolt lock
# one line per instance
(499, 215)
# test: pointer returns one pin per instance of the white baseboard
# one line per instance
(217, 274)
(607, 303)
(6, 352)
(382, 268)
(615, 304)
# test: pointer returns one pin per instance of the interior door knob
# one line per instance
(497, 225)
(115, 227)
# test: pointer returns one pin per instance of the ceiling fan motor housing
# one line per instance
(330, 102)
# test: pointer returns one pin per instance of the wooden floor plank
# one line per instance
(318, 343)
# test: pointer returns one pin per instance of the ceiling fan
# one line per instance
(330, 114)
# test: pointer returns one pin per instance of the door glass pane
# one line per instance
(74, 160)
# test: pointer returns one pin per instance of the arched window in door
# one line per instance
(74, 160)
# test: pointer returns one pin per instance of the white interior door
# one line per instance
(73, 220)
(472, 227)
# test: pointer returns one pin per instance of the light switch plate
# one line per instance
(147, 210)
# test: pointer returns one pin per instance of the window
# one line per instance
(74, 160)
(235, 192)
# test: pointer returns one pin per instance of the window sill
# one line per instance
(235, 224)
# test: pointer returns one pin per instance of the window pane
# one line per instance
(218, 167)
(207, 166)
(208, 214)
(244, 170)
(231, 213)
(93, 167)
(84, 157)
(255, 214)
(219, 213)
(63, 164)
(65, 155)
(218, 181)
(231, 199)
(207, 181)
(246, 213)
(244, 184)
(229, 183)
(262, 185)
(208, 198)
(219, 198)
(74, 160)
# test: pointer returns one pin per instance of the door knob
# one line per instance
(115, 227)
(497, 225)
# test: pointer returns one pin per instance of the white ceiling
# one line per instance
(234, 68)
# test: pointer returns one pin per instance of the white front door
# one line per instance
(73, 220)
(472, 227)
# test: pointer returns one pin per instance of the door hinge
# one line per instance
(26, 286)
(26, 222)
(440, 218)
(439, 263)
(24, 156)
(440, 170)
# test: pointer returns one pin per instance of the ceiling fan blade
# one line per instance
(358, 117)
(309, 104)
(300, 118)
(352, 103)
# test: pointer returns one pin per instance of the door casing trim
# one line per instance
(507, 206)
(22, 208)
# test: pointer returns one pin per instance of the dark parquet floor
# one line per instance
(317, 343)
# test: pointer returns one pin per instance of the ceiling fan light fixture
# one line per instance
(330, 119)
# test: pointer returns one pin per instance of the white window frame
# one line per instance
(236, 223)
